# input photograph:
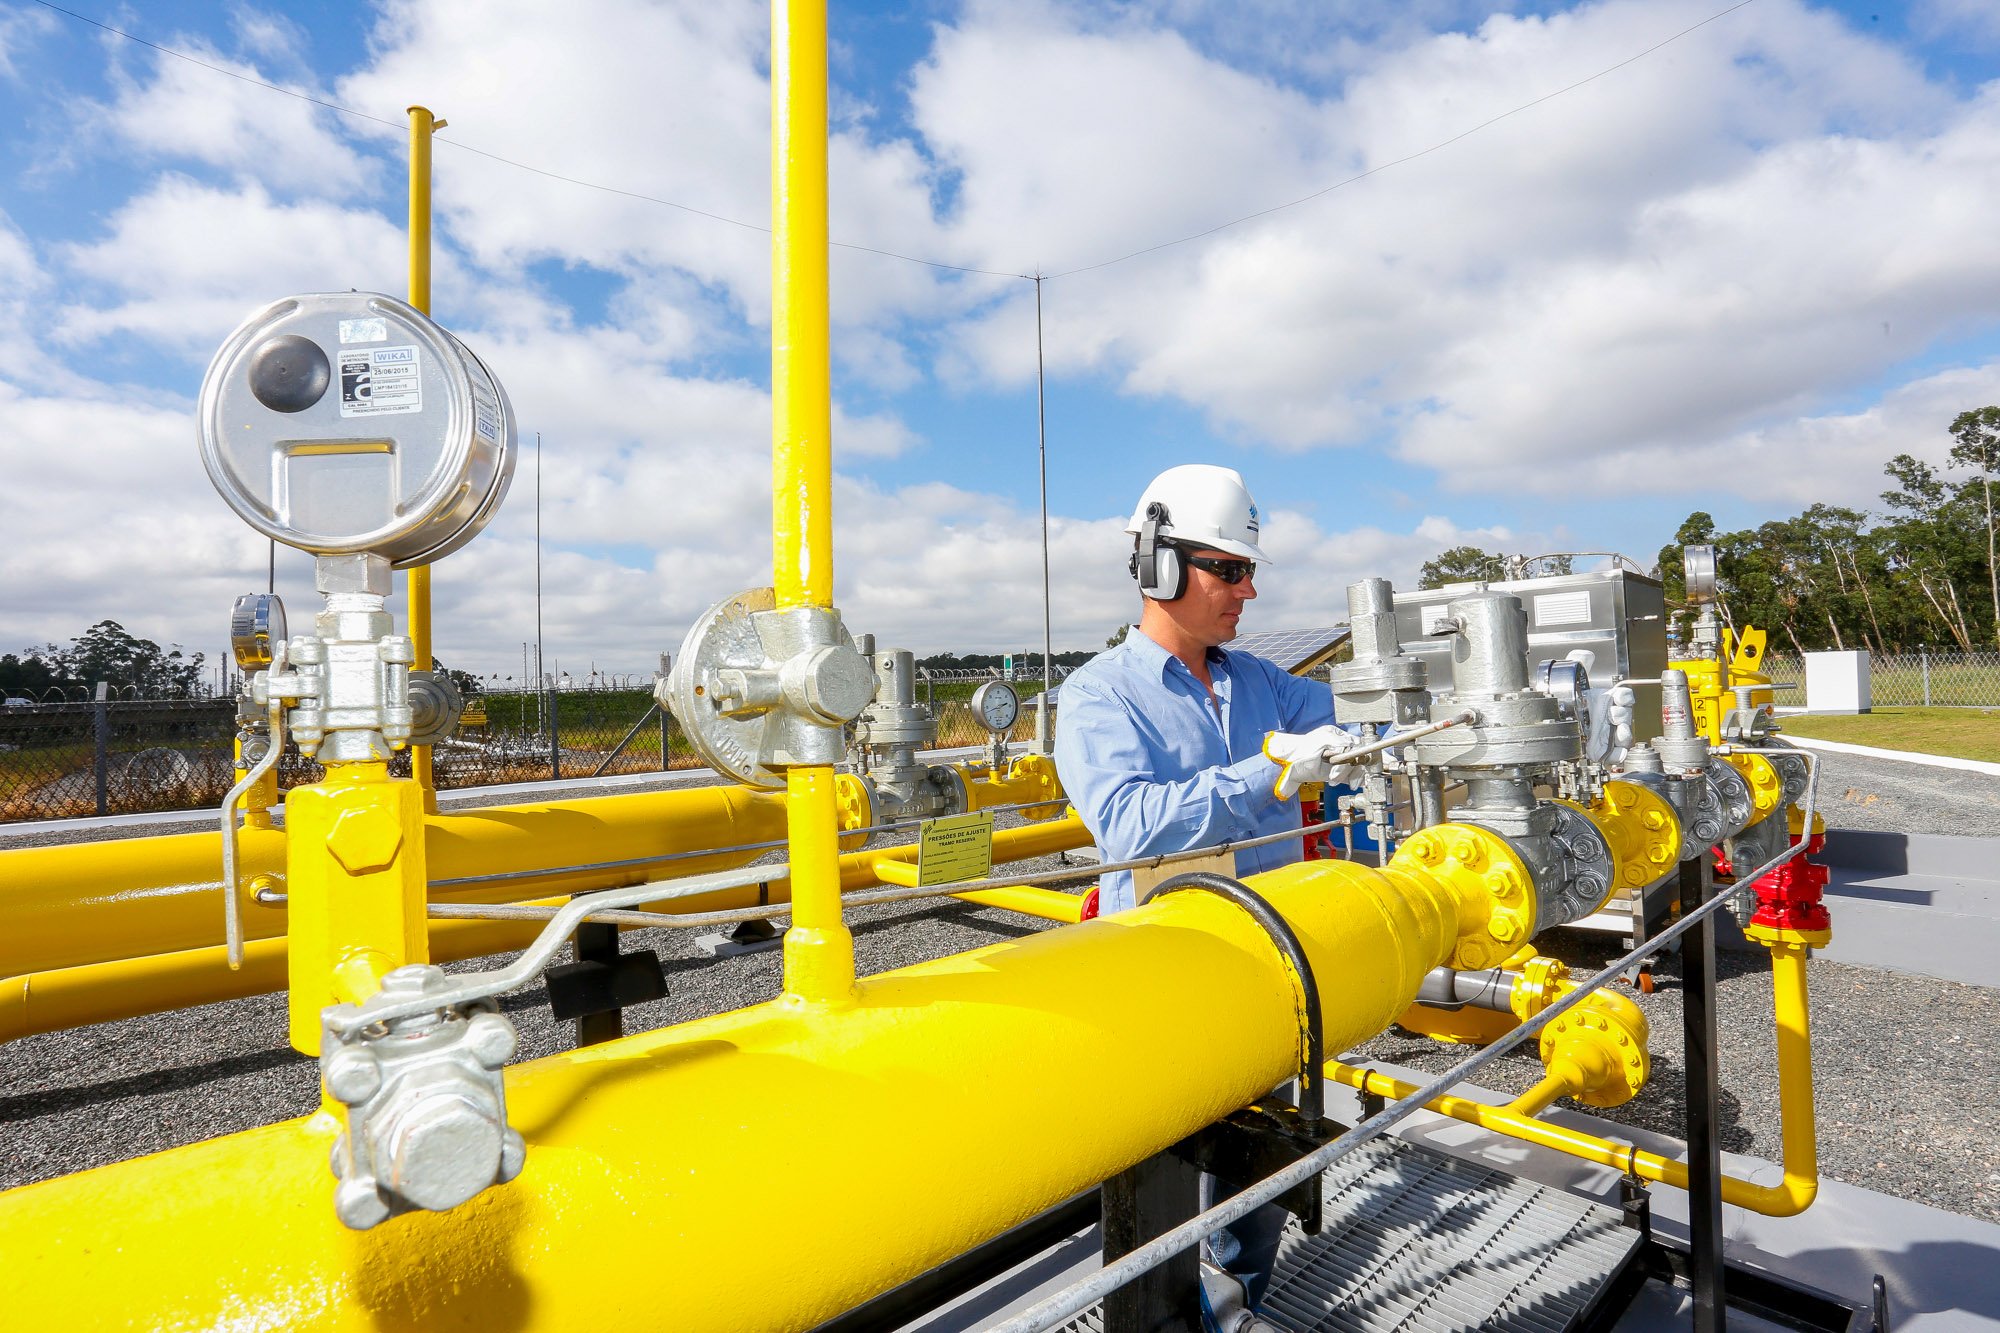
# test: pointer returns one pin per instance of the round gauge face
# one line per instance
(996, 706)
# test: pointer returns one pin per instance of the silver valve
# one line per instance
(426, 1105)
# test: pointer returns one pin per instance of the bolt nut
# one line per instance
(491, 1039)
(365, 840)
(359, 1205)
(352, 1076)
(1465, 850)
(441, 1151)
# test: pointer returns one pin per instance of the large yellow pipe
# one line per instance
(95, 902)
(819, 949)
(50, 1001)
(422, 124)
(658, 1153)
(1789, 1196)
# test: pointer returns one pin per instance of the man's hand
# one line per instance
(1311, 757)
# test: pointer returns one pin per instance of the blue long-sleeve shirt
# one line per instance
(1153, 766)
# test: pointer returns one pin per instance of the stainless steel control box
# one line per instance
(1616, 614)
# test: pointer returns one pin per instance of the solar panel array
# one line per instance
(1289, 649)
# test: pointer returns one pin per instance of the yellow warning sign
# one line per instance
(955, 847)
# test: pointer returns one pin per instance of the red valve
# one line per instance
(1790, 897)
(1089, 905)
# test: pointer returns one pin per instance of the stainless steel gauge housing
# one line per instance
(997, 706)
(1698, 569)
(349, 422)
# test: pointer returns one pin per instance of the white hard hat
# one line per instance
(1204, 505)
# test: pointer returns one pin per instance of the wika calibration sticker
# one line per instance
(375, 381)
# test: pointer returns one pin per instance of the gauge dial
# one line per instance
(996, 706)
(256, 625)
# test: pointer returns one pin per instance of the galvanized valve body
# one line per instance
(427, 1113)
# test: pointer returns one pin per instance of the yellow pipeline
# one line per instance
(49, 1001)
(103, 992)
(94, 902)
(1791, 1195)
(421, 126)
(1049, 904)
(855, 1113)
(819, 949)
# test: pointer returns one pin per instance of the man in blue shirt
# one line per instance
(1168, 742)
(1162, 740)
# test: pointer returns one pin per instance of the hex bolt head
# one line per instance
(352, 1076)
(365, 840)
(441, 1151)
(359, 1205)
(491, 1039)
(412, 979)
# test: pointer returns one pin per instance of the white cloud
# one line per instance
(1718, 236)
(184, 262)
(185, 113)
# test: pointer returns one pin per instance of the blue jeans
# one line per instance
(1246, 1249)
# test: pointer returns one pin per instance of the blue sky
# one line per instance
(1735, 271)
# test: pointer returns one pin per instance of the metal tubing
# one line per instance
(83, 903)
(103, 991)
(128, 987)
(232, 882)
(422, 124)
(1080, 1295)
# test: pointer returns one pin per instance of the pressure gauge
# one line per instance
(1698, 564)
(349, 423)
(996, 706)
(256, 626)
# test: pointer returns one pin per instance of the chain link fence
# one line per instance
(1923, 679)
(63, 756)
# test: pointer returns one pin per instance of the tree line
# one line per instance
(1921, 570)
(106, 652)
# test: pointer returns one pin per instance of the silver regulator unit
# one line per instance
(759, 690)
(351, 427)
(1527, 732)
(884, 741)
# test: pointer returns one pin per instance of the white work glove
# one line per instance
(1311, 757)
(1611, 713)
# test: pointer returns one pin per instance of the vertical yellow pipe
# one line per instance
(819, 949)
(422, 123)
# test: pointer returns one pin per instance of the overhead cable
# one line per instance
(894, 254)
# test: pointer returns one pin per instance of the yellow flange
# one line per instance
(1643, 830)
(853, 808)
(1795, 818)
(1767, 789)
(1037, 773)
(1537, 988)
(1494, 888)
(1598, 1050)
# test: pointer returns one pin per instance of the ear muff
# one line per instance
(1156, 562)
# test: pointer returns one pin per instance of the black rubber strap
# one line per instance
(1312, 1097)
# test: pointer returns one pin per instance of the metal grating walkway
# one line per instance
(1417, 1242)
(1414, 1240)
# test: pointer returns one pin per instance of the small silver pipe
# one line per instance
(863, 897)
(232, 916)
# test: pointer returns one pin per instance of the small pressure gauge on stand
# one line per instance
(997, 708)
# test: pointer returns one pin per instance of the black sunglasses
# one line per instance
(1229, 571)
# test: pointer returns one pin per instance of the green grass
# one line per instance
(1962, 733)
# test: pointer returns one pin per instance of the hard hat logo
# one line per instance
(1253, 518)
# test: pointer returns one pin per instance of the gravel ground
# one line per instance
(1908, 1069)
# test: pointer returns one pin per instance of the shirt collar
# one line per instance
(1159, 660)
